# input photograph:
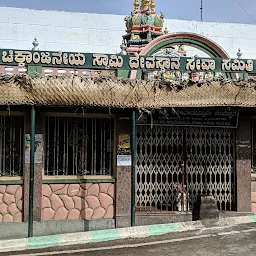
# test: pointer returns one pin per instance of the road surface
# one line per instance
(239, 240)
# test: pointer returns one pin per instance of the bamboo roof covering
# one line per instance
(124, 93)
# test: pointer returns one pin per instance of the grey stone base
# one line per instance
(148, 219)
(123, 221)
(44, 228)
(227, 214)
(209, 213)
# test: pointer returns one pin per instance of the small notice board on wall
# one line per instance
(124, 145)
(38, 148)
(124, 160)
(124, 157)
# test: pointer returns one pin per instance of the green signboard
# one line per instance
(126, 62)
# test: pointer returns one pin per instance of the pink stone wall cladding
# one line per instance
(77, 201)
(11, 203)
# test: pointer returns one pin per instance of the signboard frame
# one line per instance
(208, 118)
(79, 60)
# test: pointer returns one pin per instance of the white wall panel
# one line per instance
(68, 31)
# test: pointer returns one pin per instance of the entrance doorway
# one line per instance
(197, 160)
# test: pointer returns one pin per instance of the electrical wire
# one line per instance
(244, 10)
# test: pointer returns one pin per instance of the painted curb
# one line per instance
(114, 234)
(14, 245)
(231, 221)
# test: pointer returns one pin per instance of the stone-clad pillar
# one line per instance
(123, 183)
(26, 174)
(38, 173)
(243, 163)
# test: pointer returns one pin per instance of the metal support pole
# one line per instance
(201, 9)
(133, 179)
(31, 174)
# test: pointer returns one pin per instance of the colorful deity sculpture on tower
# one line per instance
(142, 26)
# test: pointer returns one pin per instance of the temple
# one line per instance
(109, 139)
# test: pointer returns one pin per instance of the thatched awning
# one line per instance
(124, 93)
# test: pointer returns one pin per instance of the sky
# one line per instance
(237, 11)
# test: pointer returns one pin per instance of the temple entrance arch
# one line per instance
(200, 42)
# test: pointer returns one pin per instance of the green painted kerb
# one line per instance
(43, 241)
(162, 229)
(252, 218)
(105, 235)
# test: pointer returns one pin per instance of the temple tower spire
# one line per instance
(136, 5)
(152, 5)
(142, 26)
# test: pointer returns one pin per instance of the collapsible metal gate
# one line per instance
(202, 159)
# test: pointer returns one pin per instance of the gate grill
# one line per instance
(209, 166)
(11, 145)
(78, 146)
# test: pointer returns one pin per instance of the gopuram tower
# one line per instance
(142, 26)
